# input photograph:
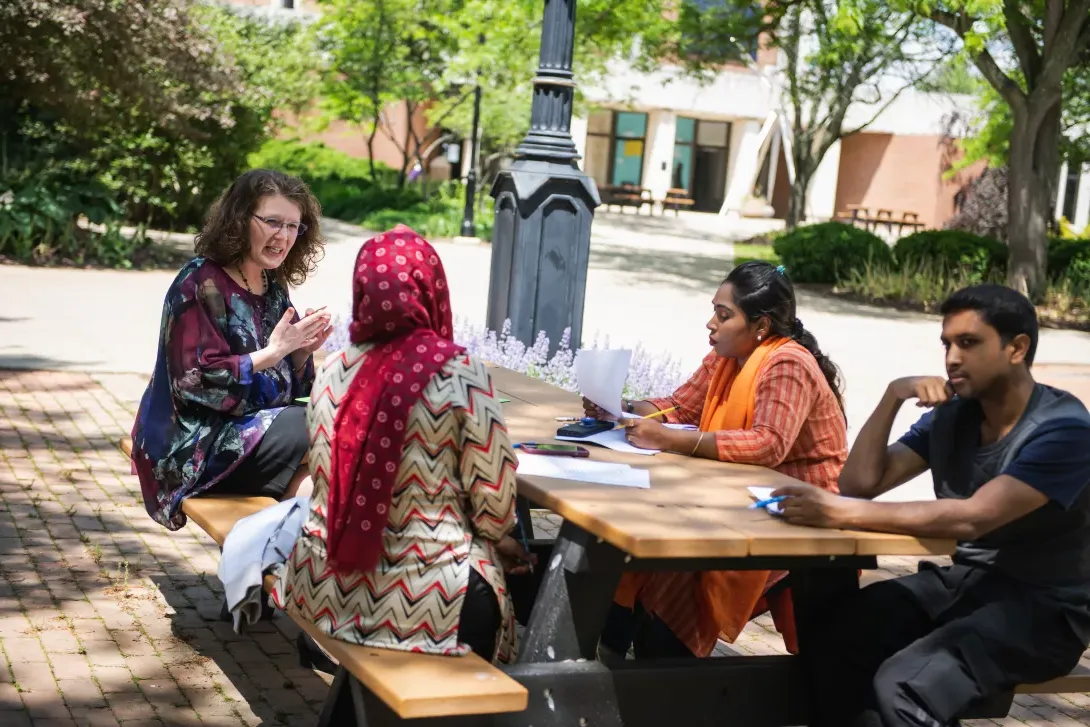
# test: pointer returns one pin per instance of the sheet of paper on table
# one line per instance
(764, 493)
(582, 470)
(600, 375)
(614, 439)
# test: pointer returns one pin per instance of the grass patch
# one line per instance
(745, 252)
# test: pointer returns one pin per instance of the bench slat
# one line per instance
(1077, 681)
(217, 515)
(424, 685)
(413, 685)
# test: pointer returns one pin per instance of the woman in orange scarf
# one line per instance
(766, 395)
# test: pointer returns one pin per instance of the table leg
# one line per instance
(580, 578)
(525, 517)
(815, 592)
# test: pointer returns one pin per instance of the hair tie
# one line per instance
(781, 270)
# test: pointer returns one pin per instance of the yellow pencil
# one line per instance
(648, 416)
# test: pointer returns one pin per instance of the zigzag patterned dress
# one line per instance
(454, 498)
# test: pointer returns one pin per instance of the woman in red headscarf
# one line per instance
(414, 475)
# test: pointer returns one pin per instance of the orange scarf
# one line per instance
(725, 600)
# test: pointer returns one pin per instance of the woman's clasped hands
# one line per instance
(302, 337)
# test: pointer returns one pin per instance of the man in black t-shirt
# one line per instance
(1011, 463)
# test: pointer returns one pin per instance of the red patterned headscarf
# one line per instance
(402, 305)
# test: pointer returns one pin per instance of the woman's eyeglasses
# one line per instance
(295, 229)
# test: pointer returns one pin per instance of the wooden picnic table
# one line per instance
(695, 516)
(860, 214)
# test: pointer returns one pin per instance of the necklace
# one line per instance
(247, 282)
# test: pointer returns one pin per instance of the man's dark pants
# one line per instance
(916, 651)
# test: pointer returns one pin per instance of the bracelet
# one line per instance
(697, 445)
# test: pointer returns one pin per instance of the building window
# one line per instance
(681, 176)
(599, 131)
(1071, 191)
(629, 136)
(615, 147)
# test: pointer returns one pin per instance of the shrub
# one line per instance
(1063, 251)
(924, 285)
(438, 216)
(828, 252)
(983, 208)
(40, 222)
(924, 288)
(975, 256)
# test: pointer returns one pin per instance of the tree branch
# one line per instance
(1062, 52)
(1025, 46)
(1007, 88)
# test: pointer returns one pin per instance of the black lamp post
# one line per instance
(468, 229)
(544, 205)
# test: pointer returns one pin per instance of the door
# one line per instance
(709, 179)
(710, 157)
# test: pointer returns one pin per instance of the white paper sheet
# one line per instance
(600, 375)
(583, 470)
(763, 493)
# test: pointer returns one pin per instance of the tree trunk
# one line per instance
(1034, 164)
(796, 203)
(371, 152)
(800, 189)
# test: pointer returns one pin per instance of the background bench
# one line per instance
(626, 195)
(860, 216)
(676, 199)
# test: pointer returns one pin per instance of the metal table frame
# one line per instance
(569, 687)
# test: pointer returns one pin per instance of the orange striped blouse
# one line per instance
(798, 428)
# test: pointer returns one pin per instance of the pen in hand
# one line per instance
(765, 503)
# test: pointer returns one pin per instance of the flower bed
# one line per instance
(650, 374)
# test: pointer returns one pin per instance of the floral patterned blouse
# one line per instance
(205, 408)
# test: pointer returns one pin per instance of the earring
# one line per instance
(759, 337)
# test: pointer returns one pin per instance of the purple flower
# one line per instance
(650, 375)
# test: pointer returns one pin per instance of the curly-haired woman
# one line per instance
(234, 355)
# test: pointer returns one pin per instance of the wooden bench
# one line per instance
(626, 195)
(412, 686)
(676, 199)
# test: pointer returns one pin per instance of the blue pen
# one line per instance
(765, 503)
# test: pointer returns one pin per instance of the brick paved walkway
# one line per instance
(106, 618)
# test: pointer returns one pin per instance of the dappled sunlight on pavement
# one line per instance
(106, 618)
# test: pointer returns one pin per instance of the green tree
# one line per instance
(840, 56)
(380, 53)
(1044, 40)
(990, 139)
(644, 33)
(153, 104)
